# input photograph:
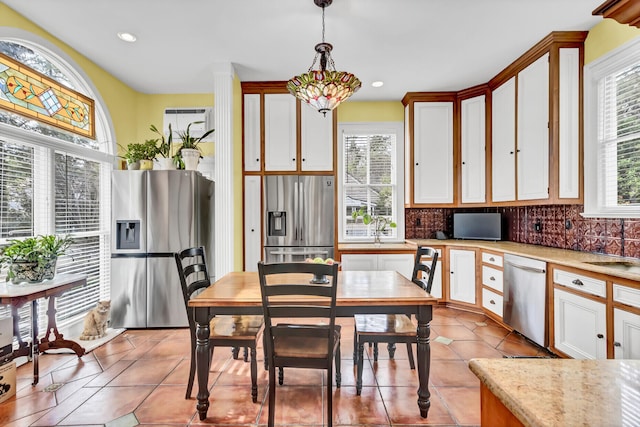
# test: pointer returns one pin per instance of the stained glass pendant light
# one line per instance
(326, 88)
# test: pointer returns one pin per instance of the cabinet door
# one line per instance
(436, 285)
(568, 143)
(462, 275)
(252, 230)
(626, 334)
(433, 152)
(252, 132)
(473, 150)
(503, 137)
(279, 132)
(580, 326)
(533, 131)
(317, 140)
(402, 263)
(359, 262)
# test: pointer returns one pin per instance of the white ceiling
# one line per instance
(411, 45)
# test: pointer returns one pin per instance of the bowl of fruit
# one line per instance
(317, 278)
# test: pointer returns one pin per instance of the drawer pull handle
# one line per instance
(577, 282)
(492, 259)
(492, 278)
(492, 302)
(600, 336)
(617, 344)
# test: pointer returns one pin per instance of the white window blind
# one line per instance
(612, 134)
(16, 190)
(369, 180)
(619, 137)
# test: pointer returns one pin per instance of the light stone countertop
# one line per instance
(565, 392)
(564, 257)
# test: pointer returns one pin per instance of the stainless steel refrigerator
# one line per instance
(299, 215)
(153, 215)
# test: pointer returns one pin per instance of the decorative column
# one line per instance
(223, 74)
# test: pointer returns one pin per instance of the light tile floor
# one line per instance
(139, 378)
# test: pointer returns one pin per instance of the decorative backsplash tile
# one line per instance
(560, 226)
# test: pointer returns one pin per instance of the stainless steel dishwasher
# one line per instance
(525, 297)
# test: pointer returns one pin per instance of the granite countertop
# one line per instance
(563, 392)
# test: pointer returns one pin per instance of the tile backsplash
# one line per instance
(561, 226)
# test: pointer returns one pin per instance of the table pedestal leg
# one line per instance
(59, 342)
(202, 360)
(425, 314)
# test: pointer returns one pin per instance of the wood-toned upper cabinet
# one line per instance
(533, 131)
(432, 152)
(503, 147)
(316, 143)
(251, 135)
(472, 162)
(280, 145)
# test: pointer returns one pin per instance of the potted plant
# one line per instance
(189, 151)
(132, 154)
(379, 222)
(166, 161)
(148, 153)
(33, 259)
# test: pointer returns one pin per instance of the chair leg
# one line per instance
(272, 396)
(355, 346)
(391, 348)
(338, 374)
(281, 375)
(359, 368)
(254, 375)
(246, 354)
(264, 349)
(375, 351)
(412, 364)
(235, 351)
(330, 396)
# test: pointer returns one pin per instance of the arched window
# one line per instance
(53, 181)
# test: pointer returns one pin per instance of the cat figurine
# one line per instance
(95, 321)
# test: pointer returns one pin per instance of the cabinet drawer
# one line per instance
(626, 295)
(492, 301)
(492, 259)
(580, 282)
(492, 278)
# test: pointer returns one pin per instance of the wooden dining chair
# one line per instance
(299, 317)
(226, 331)
(392, 328)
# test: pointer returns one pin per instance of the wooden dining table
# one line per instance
(359, 292)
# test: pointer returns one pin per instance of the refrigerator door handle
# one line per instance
(301, 209)
(296, 204)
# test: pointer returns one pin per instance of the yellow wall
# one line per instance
(606, 36)
(383, 111)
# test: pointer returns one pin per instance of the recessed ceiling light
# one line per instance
(127, 37)
(377, 83)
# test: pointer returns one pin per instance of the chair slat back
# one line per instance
(284, 300)
(193, 274)
(428, 270)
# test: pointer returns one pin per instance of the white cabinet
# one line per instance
(251, 134)
(316, 140)
(433, 152)
(503, 136)
(626, 334)
(580, 326)
(462, 275)
(473, 150)
(280, 143)
(533, 130)
(252, 222)
(569, 129)
(402, 263)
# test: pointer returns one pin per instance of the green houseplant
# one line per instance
(140, 156)
(379, 222)
(166, 160)
(189, 152)
(33, 259)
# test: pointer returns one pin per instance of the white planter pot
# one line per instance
(191, 158)
(165, 164)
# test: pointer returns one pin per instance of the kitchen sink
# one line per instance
(627, 266)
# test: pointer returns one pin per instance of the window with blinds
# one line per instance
(612, 134)
(368, 181)
(619, 137)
